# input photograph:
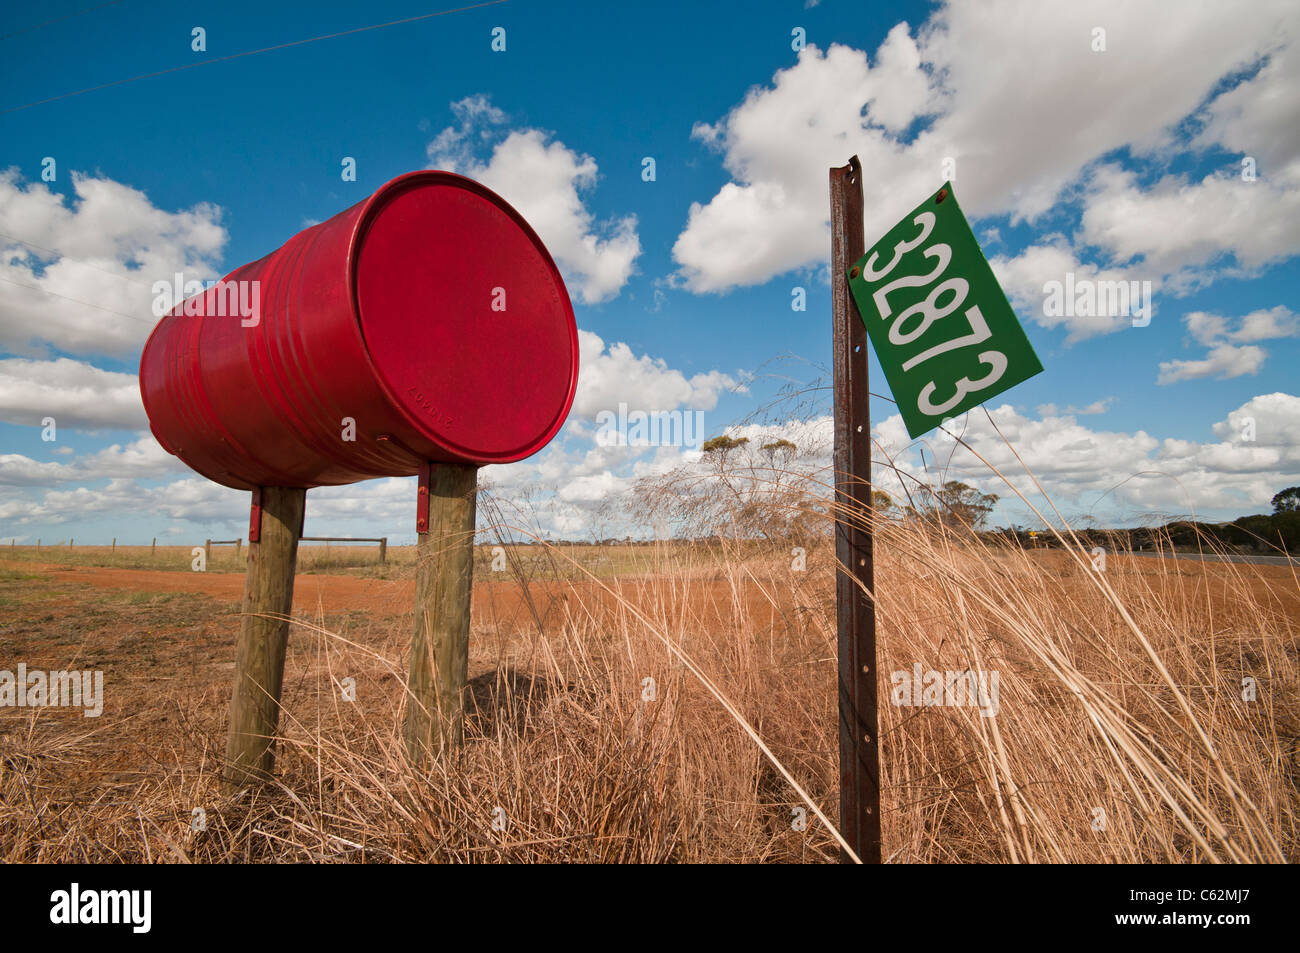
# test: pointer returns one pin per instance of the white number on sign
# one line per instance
(926, 221)
(941, 251)
(929, 311)
(979, 334)
(995, 359)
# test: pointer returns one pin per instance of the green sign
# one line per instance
(941, 325)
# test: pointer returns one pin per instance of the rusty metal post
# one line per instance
(855, 609)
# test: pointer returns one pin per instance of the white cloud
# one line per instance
(1096, 407)
(1176, 224)
(194, 499)
(1021, 133)
(141, 458)
(89, 266)
(1223, 361)
(1231, 354)
(1262, 325)
(1024, 278)
(543, 180)
(613, 374)
(1115, 473)
(1257, 118)
(74, 393)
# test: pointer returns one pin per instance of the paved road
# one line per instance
(1259, 560)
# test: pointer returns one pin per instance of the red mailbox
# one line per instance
(430, 315)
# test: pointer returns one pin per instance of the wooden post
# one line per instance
(856, 610)
(383, 550)
(239, 547)
(153, 548)
(69, 544)
(263, 638)
(444, 571)
(114, 544)
(207, 552)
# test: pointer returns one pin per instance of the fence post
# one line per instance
(444, 572)
(153, 549)
(263, 637)
(207, 552)
(239, 547)
(114, 544)
(855, 590)
(69, 544)
(383, 550)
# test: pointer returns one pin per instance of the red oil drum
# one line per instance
(426, 323)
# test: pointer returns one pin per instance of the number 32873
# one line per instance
(912, 322)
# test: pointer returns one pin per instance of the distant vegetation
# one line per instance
(1259, 534)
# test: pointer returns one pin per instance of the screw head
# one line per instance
(943, 194)
(854, 271)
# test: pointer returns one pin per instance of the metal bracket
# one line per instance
(422, 498)
(255, 516)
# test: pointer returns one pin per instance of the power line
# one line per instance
(235, 56)
(67, 257)
(133, 317)
(69, 16)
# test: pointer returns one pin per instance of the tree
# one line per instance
(723, 445)
(965, 504)
(782, 448)
(1288, 501)
(956, 504)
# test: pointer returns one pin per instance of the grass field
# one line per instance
(560, 560)
(1121, 733)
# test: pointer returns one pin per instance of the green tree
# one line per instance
(964, 504)
(723, 445)
(1288, 501)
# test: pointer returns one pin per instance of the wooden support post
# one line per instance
(207, 552)
(239, 546)
(856, 610)
(383, 550)
(153, 548)
(444, 570)
(114, 544)
(69, 544)
(263, 638)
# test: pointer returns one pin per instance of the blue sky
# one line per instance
(1123, 162)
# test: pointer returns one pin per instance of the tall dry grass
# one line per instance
(1121, 733)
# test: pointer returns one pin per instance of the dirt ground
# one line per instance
(165, 641)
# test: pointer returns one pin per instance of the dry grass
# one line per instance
(1119, 690)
